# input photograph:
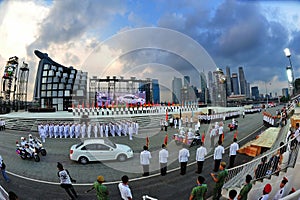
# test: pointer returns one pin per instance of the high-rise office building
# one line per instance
(176, 90)
(255, 92)
(204, 90)
(219, 93)
(248, 90)
(156, 91)
(186, 81)
(243, 82)
(235, 84)
(210, 86)
(58, 86)
(228, 82)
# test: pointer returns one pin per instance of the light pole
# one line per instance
(290, 71)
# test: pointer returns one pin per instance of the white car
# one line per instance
(99, 150)
(132, 99)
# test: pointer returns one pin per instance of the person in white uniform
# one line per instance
(183, 158)
(145, 157)
(163, 159)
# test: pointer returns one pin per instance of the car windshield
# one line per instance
(110, 143)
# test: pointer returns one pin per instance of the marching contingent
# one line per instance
(82, 130)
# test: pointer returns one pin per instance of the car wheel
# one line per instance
(122, 158)
(83, 160)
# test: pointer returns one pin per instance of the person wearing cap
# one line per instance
(124, 188)
(101, 190)
(200, 190)
(246, 188)
(163, 159)
(65, 181)
(266, 191)
(280, 192)
(219, 179)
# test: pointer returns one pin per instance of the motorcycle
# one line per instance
(36, 143)
(233, 126)
(27, 153)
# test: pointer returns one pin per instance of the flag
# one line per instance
(235, 135)
(147, 141)
(167, 115)
(166, 140)
(203, 137)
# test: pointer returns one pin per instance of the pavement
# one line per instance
(30, 179)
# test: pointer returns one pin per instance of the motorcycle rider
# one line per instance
(30, 139)
(29, 149)
(23, 141)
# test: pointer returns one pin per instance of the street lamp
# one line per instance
(289, 71)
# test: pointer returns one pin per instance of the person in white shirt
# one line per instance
(218, 153)
(266, 192)
(183, 158)
(145, 157)
(163, 159)
(65, 181)
(297, 133)
(232, 152)
(200, 156)
(124, 188)
(280, 192)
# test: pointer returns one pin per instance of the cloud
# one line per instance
(239, 33)
(69, 20)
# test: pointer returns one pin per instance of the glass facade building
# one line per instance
(58, 86)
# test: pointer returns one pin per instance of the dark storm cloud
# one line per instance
(175, 62)
(70, 19)
(236, 34)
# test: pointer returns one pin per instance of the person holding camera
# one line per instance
(66, 181)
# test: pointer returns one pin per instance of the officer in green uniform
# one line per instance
(219, 179)
(198, 192)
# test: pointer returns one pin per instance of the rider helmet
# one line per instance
(22, 138)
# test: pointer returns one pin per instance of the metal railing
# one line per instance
(3, 194)
(264, 166)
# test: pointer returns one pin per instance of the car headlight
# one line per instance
(129, 150)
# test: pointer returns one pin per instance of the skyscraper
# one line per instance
(255, 92)
(155, 90)
(243, 82)
(186, 81)
(176, 90)
(235, 84)
(204, 91)
(219, 94)
(228, 82)
(210, 86)
(248, 90)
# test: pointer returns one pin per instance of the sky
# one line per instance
(156, 39)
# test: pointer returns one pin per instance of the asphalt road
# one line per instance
(25, 173)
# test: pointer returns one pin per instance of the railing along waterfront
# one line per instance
(265, 166)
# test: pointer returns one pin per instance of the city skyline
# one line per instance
(252, 35)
